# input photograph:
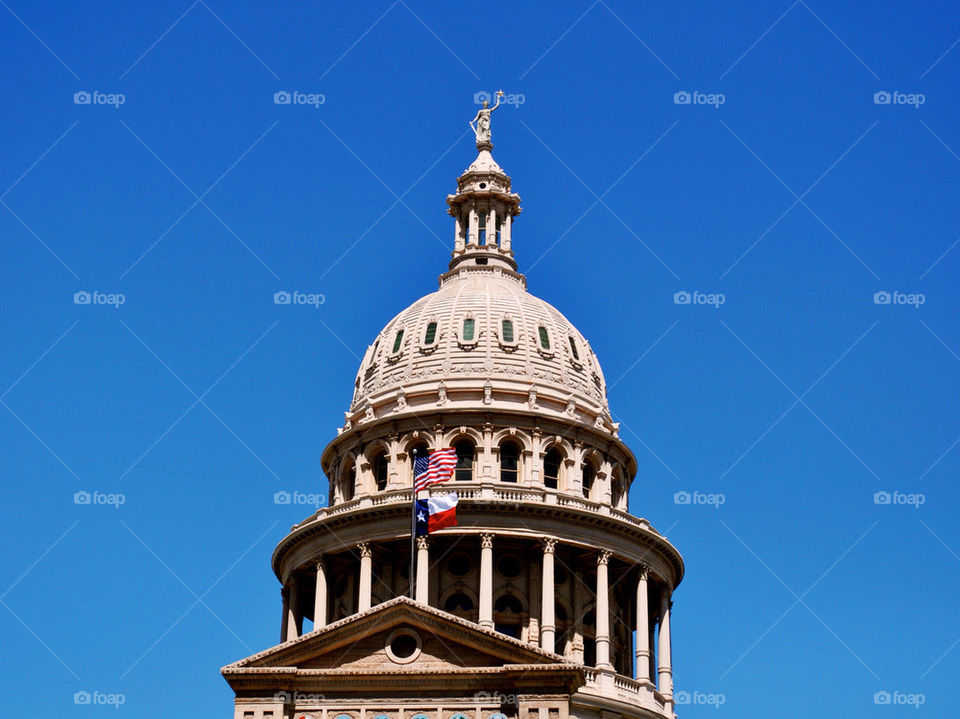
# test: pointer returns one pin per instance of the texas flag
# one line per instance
(436, 513)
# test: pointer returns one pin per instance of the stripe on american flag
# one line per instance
(437, 467)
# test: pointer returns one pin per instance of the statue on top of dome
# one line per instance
(482, 128)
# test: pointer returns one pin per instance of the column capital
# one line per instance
(549, 545)
(643, 572)
(423, 543)
(486, 541)
(365, 549)
(603, 556)
(320, 563)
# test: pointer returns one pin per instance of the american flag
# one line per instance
(433, 469)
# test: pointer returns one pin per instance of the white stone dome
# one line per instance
(426, 356)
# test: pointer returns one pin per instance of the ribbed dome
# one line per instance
(546, 362)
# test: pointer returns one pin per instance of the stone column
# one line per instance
(365, 598)
(492, 226)
(320, 598)
(473, 228)
(505, 232)
(423, 570)
(486, 581)
(548, 625)
(533, 635)
(293, 609)
(641, 670)
(458, 233)
(284, 618)
(603, 611)
(665, 668)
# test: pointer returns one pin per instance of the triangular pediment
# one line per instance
(398, 636)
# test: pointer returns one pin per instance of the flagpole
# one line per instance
(413, 529)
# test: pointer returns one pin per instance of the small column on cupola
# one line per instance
(483, 207)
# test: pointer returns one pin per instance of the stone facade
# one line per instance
(548, 600)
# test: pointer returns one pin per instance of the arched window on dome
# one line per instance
(544, 337)
(381, 465)
(469, 327)
(348, 481)
(552, 462)
(506, 331)
(397, 341)
(573, 349)
(589, 473)
(430, 335)
(466, 452)
(509, 462)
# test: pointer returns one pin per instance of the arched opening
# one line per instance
(588, 475)
(430, 335)
(509, 462)
(506, 327)
(589, 630)
(381, 465)
(544, 337)
(466, 451)
(348, 481)
(469, 325)
(508, 615)
(458, 603)
(552, 462)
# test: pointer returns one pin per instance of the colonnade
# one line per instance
(644, 672)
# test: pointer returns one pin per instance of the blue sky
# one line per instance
(797, 198)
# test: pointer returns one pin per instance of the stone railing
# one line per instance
(622, 688)
(481, 492)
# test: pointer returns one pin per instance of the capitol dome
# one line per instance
(481, 340)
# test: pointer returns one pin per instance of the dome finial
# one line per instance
(482, 128)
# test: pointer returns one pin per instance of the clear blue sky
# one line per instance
(798, 198)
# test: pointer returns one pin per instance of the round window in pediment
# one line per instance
(403, 646)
